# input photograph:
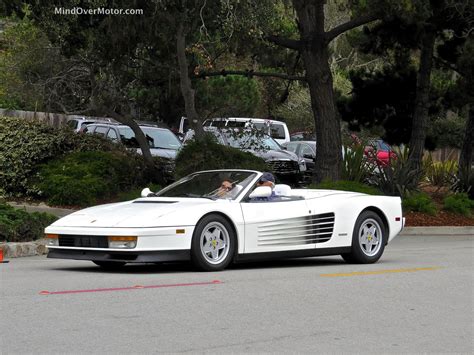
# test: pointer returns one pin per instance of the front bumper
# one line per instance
(123, 256)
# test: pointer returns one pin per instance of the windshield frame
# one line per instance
(250, 181)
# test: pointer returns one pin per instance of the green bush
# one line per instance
(17, 225)
(419, 202)
(207, 154)
(398, 178)
(85, 178)
(355, 166)
(458, 203)
(441, 174)
(24, 145)
(465, 182)
(346, 186)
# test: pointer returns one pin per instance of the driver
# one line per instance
(224, 190)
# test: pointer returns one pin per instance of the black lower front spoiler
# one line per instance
(128, 257)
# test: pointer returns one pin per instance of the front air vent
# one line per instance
(83, 241)
(297, 231)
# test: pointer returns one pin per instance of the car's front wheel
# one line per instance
(368, 239)
(213, 244)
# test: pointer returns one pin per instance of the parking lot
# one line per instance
(418, 298)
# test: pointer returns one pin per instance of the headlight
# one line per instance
(302, 164)
(52, 240)
(122, 242)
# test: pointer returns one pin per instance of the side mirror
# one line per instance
(261, 191)
(145, 192)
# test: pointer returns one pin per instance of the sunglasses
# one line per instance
(226, 187)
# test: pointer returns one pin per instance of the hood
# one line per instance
(275, 154)
(142, 212)
(164, 153)
(160, 152)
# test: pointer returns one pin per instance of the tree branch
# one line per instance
(249, 74)
(284, 42)
(349, 25)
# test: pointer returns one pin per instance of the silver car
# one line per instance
(163, 143)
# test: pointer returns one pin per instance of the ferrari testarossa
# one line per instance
(217, 217)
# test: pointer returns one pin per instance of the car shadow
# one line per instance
(186, 267)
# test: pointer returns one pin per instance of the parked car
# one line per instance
(162, 141)
(79, 123)
(278, 130)
(383, 152)
(304, 150)
(302, 136)
(187, 222)
(284, 164)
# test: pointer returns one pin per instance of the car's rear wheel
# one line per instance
(109, 265)
(213, 244)
(368, 239)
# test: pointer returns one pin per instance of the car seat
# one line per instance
(282, 190)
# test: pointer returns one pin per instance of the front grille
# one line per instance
(84, 241)
(283, 166)
(297, 231)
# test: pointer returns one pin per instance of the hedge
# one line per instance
(25, 145)
(17, 225)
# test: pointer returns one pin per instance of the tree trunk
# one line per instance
(314, 52)
(185, 83)
(139, 135)
(420, 118)
(466, 157)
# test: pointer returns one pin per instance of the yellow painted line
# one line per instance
(377, 272)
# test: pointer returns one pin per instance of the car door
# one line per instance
(276, 226)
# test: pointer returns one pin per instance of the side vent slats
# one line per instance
(297, 231)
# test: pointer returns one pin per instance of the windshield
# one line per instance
(221, 184)
(156, 137)
(242, 140)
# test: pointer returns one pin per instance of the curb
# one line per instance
(38, 247)
(17, 250)
(438, 231)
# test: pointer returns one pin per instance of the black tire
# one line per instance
(214, 243)
(110, 265)
(364, 250)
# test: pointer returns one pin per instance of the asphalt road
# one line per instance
(417, 299)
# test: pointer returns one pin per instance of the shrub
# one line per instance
(441, 174)
(207, 154)
(458, 203)
(24, 145)
(346, 186)
(398, 178)
(17, 225)
(85, 178)
(464, 182)
(355, 166)
(419, 202)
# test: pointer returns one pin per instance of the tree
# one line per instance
(313, 45)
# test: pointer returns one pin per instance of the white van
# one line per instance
(276, 129)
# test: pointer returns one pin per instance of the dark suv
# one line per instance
(284, 164)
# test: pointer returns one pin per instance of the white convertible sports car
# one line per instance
(217, 217)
